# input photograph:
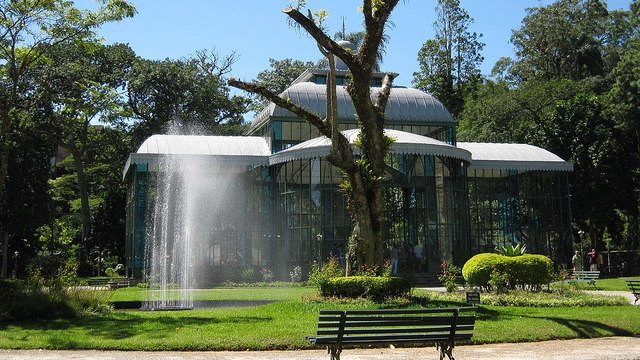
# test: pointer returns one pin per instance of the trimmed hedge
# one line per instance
(528, 270)
(376, 288)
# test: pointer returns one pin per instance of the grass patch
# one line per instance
(613, 284)
(222, 293)
(283, 325)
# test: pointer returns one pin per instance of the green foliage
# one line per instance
(113, 272)
(529, 271)
(510, 250)
(267, 274)
(39, 300)
(373, 287)
(330, 269)
(191, 92)
(562, 40)
(477, 270)
(278, 78)
(449, 276)
(499, 281)
(551, 300)
(449, 63)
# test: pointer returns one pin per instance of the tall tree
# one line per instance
(85, 81)
(561, 40)
(187, 93)
(624, 108)
(29, 30)
(579, 131)
(449, 64)
(362, 175)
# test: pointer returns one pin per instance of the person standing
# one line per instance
(576, 261)
(417, 252)
(394, 259)
(593, 260)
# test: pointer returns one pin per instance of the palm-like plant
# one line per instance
(510, 250)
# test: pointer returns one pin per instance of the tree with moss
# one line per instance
(363, 174)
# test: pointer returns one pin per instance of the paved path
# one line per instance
(608, 348)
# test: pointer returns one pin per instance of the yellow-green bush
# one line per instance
(477, 270)
(525, 271)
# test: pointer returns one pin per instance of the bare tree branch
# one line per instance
(383, 95)
(320, 37)
(313, 118)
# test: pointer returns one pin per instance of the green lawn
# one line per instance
(235, 293)
(284, 324)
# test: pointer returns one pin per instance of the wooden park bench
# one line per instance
(442, 327)
(587, 276)
(634, 286)
(115, 283)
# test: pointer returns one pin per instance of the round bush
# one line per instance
(531, 270)
(477, 270)
(522, 271)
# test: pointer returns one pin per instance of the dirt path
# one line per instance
(608, 348)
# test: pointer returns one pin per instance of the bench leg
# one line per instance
(445, 349)
(334, 352)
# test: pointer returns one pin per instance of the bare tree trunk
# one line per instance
(83, 189)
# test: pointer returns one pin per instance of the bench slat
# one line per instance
(400, 311)
(393, 338)
(391, 323)
(443, 329)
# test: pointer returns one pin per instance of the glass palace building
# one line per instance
(274, 199)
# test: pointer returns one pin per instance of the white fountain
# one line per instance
(189, 210)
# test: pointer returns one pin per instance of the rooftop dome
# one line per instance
(340, 65)
(406, 105)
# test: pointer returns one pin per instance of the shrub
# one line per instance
(531, 270)
(373, 287)
(36, 300)
(329, 270)
(525, 271)
(477, 270)
(449, 276)
(267, 274)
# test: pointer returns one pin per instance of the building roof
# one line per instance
(254, 151)
(405, 143)
(406, 105)
(227, 150)
(525, 157)
(205, 145)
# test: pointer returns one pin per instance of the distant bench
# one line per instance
(634, 286)
(441, 326)
(119, 282)
(585, 276)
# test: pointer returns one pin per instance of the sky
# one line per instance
(257, 30)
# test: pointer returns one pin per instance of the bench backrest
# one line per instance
(395, 325)
(586, 275)
(634, 285)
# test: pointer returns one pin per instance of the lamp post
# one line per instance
(581, 235)
(319, 238)
(15, 264)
